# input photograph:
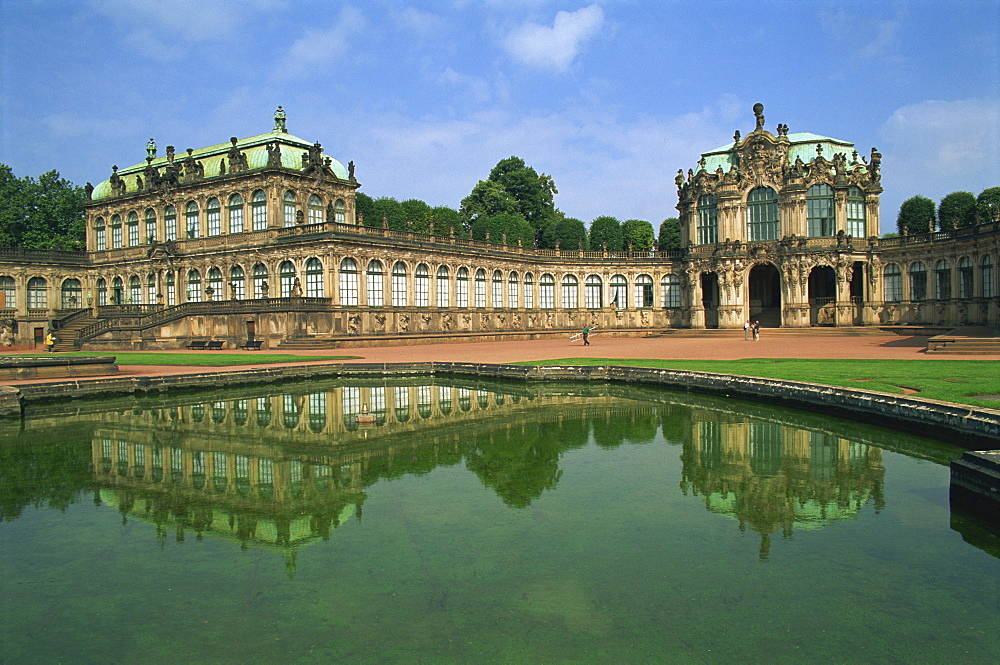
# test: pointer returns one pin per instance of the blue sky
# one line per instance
(610, 98)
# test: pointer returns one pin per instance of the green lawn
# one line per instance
(946, 380)
(200, 359)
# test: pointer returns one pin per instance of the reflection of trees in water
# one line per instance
(38, 473)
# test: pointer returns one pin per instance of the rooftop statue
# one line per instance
(758, 111)
(279, 121)
(151, 149)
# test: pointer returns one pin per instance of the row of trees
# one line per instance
(918, 214)
(40, 214)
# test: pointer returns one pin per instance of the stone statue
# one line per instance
(758, 112)
(151, 149)
(88, 189)
(279, 121)
(736, 136)
(350, 170)
(873, 166)
(679, 181)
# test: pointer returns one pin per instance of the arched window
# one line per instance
(892, 283)
(117, 291)
(213, 211)
(289, 411)
(708, 220)
(942, 280)
(671, 287)
(286, 279)
(497, 292)
(762, 214)
(171, 289)
(314, 278)
(192, 224)
(965, 278)
(151, 289)
(442, 286)
(480, 293)
(151, 234)
(317, 413)
(258, 208)
(133, 229)
(643, 291)
(546, 291)
(462, 287)
(918, 281)
(339, 212)
(856, 213)
(8, 293)
(421, 286)
(289, 208)
(100, 240)
(236, 214)
(38, 293)
(237, 283)
(376, 284)
(348, 283)
(570, 291)
(116, 232)
(399, 284)
(619, 292)
(819, 211)
(512, 282)
(134, 290)
(170, 223)
(72, 294)
(102, 292)
(194, 286)
(986, 276)
(593, 292)
(315, 207)
(215, 283)
(529, 291)
(261, 289)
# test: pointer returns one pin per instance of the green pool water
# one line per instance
(446, 521)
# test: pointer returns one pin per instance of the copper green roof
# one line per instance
(801, 145)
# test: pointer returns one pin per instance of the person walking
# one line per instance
(586, 335)
(756, 330)
(746, 330)
(50, 342)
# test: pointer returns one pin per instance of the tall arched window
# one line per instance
(8, 293)
(261, 289)
(213, 212)
(100, 240)
(986, 276)
(151, 234)
(134, 290)
(643, 291)
(116, 232)
(314, 278)
(170, 223)
(151, 289)
(288, 203)
(192, 224)
(918, 281)
(72, 294)
(102, 292)
(348, 283)
(708, 220)
(942, 280)
(762, 214)
(236, 214)
(118, 295)
(237, 283)
(671, 287)
(258, 208)
(512, 282)
(529, 291)
(965, 278)
(570, 291)
(892, 283)
(497, 291)
(856, 216)
(593, 292)
(38, 293)
(546, 291)
(316, 210)
(480, 293)
(171, 289)
(399, 284)
(619, 292)
(442, 286)
(462, 287)
(286, 279)
(215, 283)
(376, 284)
(133, 229)
(339, 212)
(819, 211)
(421, 286)
(193, 286)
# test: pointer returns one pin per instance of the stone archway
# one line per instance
(710, 298)
(764, 295)
(823, 296)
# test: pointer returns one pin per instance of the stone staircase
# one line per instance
(67, 336)
(968, 340)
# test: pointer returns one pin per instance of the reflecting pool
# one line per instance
(450, 521)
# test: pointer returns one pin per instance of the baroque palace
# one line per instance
(257, 240)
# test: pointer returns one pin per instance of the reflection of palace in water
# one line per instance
(771, 476)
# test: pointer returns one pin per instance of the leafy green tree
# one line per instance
(364, 207)
(606, 230)
(513, 187)
(669, 238)
(957, 210)
(417, 213)
(497, 225)
(916, 215)
(569, 232)
(389, 209)
(988, 205)
(638, 234)
(42, 214)
(444, 219)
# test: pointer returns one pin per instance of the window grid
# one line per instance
(191, 215)
(480, 288)
(529, 291)
(918, 282)
(399, 285)
(258, 206)
(421, 286)
(762, 214)
(376, 284)
(314, 278)
(194, 286)
(671, 286)
(462, 288)
(133, 229)
(497, 294)
(592, 291)
(442, 287)
(348, 283)
(214, 214)
(708, 220)
(512, 291)
(643, 291)
(570, 292)
(819, 211)
(170, 223)
(619, 292)
(986, 274)
(855, 213)
(892, 283)
(235, 213)
(150, 226)
(546, 292)
(289, 208)
(237, 283)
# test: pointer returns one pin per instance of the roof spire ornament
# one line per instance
(758, 112)
(151, 149)
(279, 121)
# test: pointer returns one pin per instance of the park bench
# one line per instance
(252, 344)
(215, 345)
(197, 344)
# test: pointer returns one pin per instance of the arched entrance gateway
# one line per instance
(823, 296)
(764, 295)
(710, 298)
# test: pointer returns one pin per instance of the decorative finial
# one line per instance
(758, 111)
(279, 121)
(151, 149)
(736, 136)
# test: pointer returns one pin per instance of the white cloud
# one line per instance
(321, 47)
(554, 47)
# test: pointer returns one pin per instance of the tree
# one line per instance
(445, 218)
(606, 230)
(42, 214)
(364, 207)
(957, 210)
(669, 238)
(916, 215)
(569, 232)
(515, 226)
(390, 210)
(638, 234)
(513, 187)
(988, 205)
(417, 213)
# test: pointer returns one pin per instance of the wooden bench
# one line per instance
(215, 345)
(198, 344)
(252, 345)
